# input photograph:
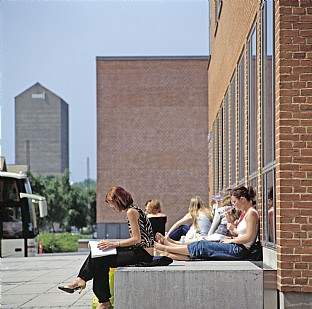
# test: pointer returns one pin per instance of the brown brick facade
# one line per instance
(293, 122)
(152, 132)
(294, 144)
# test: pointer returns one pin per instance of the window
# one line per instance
(218, 7)
(241, 119)
(252, 105)
(233, 132)
(221, 151)
(226, 141)
(216, 157)
(268, 201)
(268, 82)
(268, 124)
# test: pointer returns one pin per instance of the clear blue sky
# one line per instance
(56, 43)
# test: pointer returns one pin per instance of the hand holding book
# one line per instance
(106, 244)
(102, 248)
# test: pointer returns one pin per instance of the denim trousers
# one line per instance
(211, 250)
(98, 268)
(180, 231)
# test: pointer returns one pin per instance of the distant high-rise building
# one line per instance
(41, 131)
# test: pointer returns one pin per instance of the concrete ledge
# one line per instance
(191, 284)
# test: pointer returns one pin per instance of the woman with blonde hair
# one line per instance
(198, 217)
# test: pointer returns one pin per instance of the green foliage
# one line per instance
(68, 204)
(57, 243)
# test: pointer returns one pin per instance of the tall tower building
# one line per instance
(41, 131)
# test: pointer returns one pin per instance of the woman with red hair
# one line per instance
(136, 249)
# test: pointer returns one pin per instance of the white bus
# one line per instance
(18, 216)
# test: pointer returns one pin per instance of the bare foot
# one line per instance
(159, 246)
(162, 239)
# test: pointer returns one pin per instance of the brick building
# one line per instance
(151, 134)
(41, 131)
(260, 124)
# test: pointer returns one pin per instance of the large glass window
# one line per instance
(268, 123)
(226, 141)
(233, 132)
(268, 190)
(216, 156)
(252, 105)
(221, 150)
(241, 119)
(11, 209)
(268, 83)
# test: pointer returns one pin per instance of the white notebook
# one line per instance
(96, 252)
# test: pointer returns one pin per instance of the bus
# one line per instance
(18, 215)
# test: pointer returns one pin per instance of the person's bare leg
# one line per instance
(176, 257)
(175, 249)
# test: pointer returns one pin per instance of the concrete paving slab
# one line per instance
(32, 282)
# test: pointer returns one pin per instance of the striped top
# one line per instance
(147, 235)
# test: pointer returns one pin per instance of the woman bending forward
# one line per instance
(138, 248)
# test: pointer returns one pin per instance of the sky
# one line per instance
(56, 44)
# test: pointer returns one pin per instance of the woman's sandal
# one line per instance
(78, 284)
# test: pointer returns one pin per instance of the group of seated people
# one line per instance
(226, 232)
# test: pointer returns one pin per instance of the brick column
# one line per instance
(294, 144)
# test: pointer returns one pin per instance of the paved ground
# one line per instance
(32, 282)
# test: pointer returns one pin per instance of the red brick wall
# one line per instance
(293, 121)
(294, 144)
(152, 132)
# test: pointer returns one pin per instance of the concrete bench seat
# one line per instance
(190, 284)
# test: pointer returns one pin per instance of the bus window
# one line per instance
(12, 222)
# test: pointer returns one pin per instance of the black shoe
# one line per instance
(69, 290)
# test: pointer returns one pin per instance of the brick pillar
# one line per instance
(294, 145)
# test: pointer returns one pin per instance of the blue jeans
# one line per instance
(211, 250)
(180, 231)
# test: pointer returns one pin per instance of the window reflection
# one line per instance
(12, 222)
(233, 131)
(241, 118)
(269, 206)
(271, 214)
(268, 123)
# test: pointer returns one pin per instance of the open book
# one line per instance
(96, 252)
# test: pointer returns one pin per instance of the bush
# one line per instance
(57, 243)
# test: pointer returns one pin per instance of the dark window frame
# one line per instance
(252, 105)
(241, 119)
(226, 141)
(233, 130)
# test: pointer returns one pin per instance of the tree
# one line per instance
(69, 205)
